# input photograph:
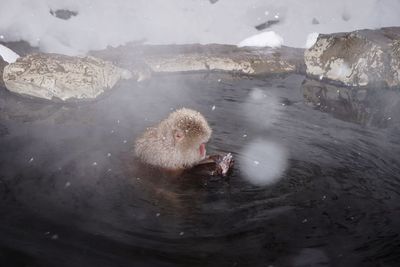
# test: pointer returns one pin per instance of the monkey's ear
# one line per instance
(178, 135)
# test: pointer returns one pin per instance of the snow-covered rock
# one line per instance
(53, 76)
(359, 58)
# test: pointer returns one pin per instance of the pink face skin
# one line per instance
(202, 150)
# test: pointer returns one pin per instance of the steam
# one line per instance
(262, 108)
(263, 162)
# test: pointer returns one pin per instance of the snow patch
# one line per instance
(311, 39)
(270, 39)
(8, 55)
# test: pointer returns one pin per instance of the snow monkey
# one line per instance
(176, 143)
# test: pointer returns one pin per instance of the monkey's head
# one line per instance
(178, 142)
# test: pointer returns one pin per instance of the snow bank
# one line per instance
(270, 39)
(101, 23)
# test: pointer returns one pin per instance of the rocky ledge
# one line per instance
(59, 77)
(143, 60)
(363, 58)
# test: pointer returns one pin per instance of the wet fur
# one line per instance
(158, 147)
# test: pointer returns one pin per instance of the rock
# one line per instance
(63, 14)
(2, 65)
(360, 58)
(163, 59)
(315, 21)
(266, 24)
(53, 76)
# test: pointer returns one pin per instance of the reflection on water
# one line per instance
(72, 196)
(377, 107)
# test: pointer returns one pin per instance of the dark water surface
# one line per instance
(70, 195)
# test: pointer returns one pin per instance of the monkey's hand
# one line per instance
(224, 164)
(215, 165)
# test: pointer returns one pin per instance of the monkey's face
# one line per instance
(190, 132)
(192, 148)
